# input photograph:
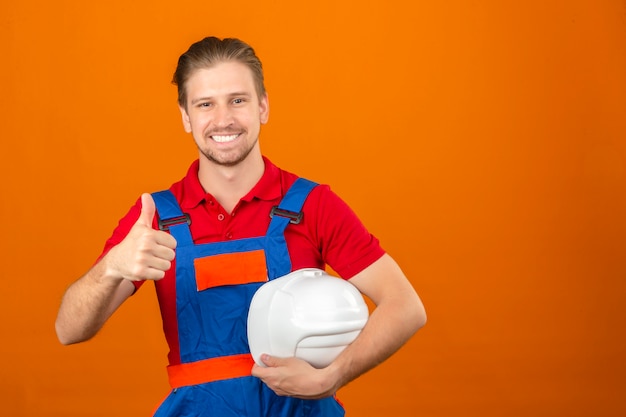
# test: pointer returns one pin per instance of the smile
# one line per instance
(224, 138)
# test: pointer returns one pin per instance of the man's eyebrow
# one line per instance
(230, 95)
(240, 94)
(195, 100)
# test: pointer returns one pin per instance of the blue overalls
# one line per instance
(212, 321)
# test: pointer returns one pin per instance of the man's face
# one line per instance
(224, 113)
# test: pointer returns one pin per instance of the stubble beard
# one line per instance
(229, 159)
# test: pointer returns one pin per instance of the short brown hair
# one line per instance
(211, 51)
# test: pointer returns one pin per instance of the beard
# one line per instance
(227, 158)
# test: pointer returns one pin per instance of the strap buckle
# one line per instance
(294, 218)
(174, 221)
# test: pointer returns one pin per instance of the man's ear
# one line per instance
(264, 109)
(185, 117)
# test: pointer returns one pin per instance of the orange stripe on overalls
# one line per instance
(210, 370)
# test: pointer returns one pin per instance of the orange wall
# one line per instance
(482, 142)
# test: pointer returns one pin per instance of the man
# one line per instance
(221, 218)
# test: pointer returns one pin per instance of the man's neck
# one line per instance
(228, 184)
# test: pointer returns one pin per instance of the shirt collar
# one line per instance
(268, 188)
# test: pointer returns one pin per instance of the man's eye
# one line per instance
(238, 101)
(204, 105)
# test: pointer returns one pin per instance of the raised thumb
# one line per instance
(147, 210)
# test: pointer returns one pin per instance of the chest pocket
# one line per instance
(230, 269)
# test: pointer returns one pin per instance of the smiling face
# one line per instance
(224, 113)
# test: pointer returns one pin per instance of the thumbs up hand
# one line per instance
(145, 253)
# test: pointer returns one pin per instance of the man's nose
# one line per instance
(222, 116)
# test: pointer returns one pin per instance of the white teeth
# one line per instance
(222, 139)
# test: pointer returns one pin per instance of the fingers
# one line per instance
(274, 362)
(263, 371)
(269, 361)
(138, 260)
(151, 274)
(163, 250)
(292, 377)
(165, 240)
(160, 258)
(154, 253)
(148, 209)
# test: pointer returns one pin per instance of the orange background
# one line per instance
(482, 142)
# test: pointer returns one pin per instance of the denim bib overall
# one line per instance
(215, 283)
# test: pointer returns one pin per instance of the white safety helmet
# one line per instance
(307, 314)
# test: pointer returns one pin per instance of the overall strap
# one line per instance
(291, 204)
(171, 218)
(288, 211)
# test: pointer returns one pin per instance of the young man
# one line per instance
(219, 219)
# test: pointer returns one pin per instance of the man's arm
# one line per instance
(88, 303)
(399, 313)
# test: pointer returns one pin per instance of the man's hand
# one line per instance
(294, 377)
(145, 253)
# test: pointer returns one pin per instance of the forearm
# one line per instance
(88, 303)
(399, 313)
(389, 327)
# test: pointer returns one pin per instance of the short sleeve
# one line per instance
(346, 244)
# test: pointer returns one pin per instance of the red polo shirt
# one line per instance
(330, 233)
